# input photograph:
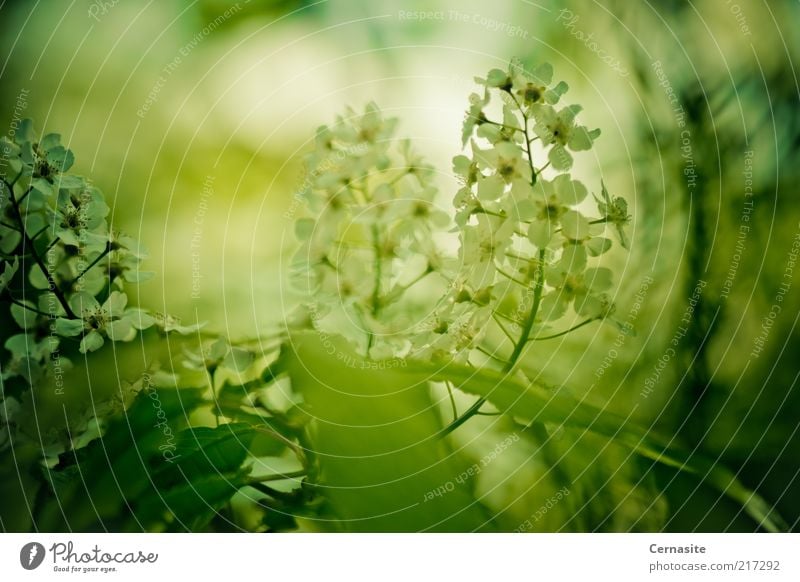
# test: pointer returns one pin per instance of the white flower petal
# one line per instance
(573, 259)
(598, 279)
(570, 192)
(490, 188)
(540, 232)
(574, 225)
(560, 158)
(91, 342)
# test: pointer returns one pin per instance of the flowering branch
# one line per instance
(52, 285)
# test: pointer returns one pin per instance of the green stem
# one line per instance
(469, 413)
(11, 226)
(93, 263)
(398, 290)
(41, 231)
(24, 196)
(278, 477)
(565, 332)
(482, 210)
(56, 290)
(511, 127)
(51, 244)
(489, 354)
(376, 290)
(508, 318)
(511, 277)
(528, 140)
(527, 325)
(502, 327)
(452, 399)
(25, 306)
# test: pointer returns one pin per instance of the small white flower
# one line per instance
(96, 321)
(584, 290)
(533, 87)
(481, 245)
(475, 115)
(560, 130)
(554, 201)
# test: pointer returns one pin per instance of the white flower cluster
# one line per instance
(369, 234)
(526, 240)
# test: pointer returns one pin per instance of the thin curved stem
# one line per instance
(11, 226)
(93, 263)
(528, 140)
(529, 321)
(25, 195)
(511, 277)
(482, 210)
(470, 412)
(25, 306)
(503, 125)
(565, 332)
(452, 399)
(41, 232)
(502, 327)
(518, 348)
(398, 290)
(489, 354)
(527, 325)
(508, 318)
(376, 289)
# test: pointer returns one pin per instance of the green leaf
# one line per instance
(204, 471)
(374, 432)
(537, 405)
(9, 240)
(190, 506)
(122, 465)
(203, 450)
(238, 359)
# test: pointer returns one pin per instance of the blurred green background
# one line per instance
(193, 117)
